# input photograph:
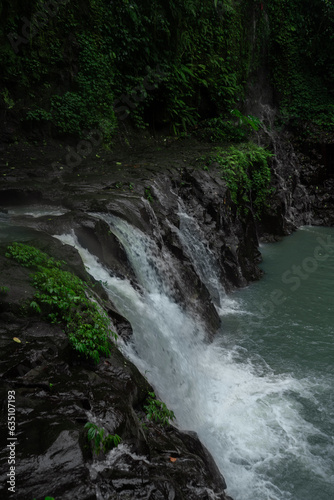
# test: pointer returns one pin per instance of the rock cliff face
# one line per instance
(303, 184)
(56, 392)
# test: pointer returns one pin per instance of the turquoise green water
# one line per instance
(285, 330)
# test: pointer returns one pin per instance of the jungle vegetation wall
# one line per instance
(69, 65)
(302, 62)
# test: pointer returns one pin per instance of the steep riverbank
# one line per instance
(157, 187)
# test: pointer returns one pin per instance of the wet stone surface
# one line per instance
(56, 393)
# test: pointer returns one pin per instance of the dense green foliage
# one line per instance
(302, 59)
(228, 130)
(246, 171)
(92, 62)
(64, 298)
(76, 66)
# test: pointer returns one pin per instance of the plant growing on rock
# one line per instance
(148, 194)
(101, 441)
(157, 410)
(64, 298)
(245, 169)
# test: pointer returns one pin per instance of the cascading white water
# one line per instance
(201, 256)
(243, 412)
(285, 167)
(191, 237)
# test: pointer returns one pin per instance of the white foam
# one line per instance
(247, 416)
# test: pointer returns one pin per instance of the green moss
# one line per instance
(245, 169)
(64, 298)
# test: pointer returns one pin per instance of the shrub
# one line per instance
(64, 298)
(246, 171)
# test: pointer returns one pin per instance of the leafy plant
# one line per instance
(4, 289)
(64, 298)
(74, 70)
(148, 194)
(39, 114)
(101, 441)
(157, 410)
(7, 99)
(248, 121)
(29, 256)
(246, 171)
(221, 129)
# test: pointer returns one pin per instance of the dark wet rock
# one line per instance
(302, 175)
(231, 237)
(20, 292)
(56, 393)
(20, 196)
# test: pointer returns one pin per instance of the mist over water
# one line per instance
(259, 396)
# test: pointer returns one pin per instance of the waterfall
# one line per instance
(243, 412)
(193, 241)
(286, 169)
(260, 102)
